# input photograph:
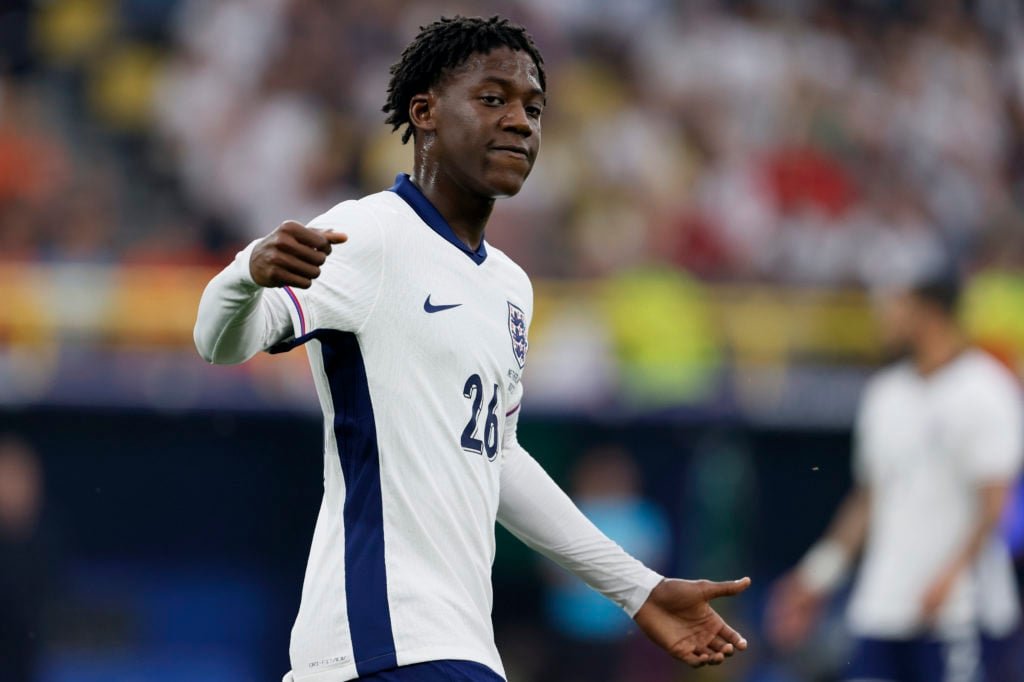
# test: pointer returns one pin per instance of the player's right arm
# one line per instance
(797, 598)
(236, 320)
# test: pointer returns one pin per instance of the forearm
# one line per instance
(237, 318)
(992, 500)
(534, 509)
(849, 528)
(826, 564)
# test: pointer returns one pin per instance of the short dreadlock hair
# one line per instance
(442, 46)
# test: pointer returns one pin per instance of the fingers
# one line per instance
(714, 653)
(695, 660)
(292, 255)
(282, 278)
(700, 660)
(713, 590)
(336, 237)
(720, 645)
(317, 240)
(282, 262)
(301, 251)
(732, 637)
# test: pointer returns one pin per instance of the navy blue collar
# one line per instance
(412, 195)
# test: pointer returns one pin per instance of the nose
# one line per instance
(515, 120)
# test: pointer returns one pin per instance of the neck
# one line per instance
(938, 348)
(464, 211)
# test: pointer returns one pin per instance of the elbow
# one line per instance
(207, 350)
(210, 351)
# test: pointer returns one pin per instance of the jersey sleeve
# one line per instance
(861, 440)
(993, 447)
(237, 318)
(534, 509)
(344, 295)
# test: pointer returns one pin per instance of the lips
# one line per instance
(513, 149)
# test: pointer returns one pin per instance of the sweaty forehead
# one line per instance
(503, 62)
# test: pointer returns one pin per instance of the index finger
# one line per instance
(332, 238)
(311, 237)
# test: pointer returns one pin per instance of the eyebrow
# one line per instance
(507, 83)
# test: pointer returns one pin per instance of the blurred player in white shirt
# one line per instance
(938, 447)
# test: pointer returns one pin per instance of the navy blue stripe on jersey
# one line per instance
(286, 346)
(438, 671)
(412, 195)
(366, 589)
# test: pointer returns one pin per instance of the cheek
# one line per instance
(463, 138)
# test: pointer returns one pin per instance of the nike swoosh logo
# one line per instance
(430, 308)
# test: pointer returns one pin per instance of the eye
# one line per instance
(533, 111)
(492, 100)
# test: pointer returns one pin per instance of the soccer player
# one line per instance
(416, 330)
(938, 446)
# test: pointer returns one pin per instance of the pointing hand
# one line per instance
(292, 255)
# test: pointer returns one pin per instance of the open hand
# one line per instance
(678, 618)
(292, 255)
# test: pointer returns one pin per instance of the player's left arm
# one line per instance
(991, 458)
(675, 614)
(991, 502)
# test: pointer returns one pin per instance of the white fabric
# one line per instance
(924, 448)
(236, 320)
(440, 501)
(534, 509)
(824, 566)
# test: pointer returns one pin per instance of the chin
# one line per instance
(895, 351)
(505, 184)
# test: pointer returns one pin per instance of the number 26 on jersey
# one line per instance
(474, 391)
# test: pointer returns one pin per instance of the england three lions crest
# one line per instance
(517, 330)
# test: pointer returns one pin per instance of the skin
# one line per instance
(477, 135)
(465, 128)
(932, 339)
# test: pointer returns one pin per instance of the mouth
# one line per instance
(521, 152)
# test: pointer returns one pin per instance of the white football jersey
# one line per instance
(417, 345)
(924, 447)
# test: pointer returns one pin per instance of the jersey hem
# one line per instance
(347, 672)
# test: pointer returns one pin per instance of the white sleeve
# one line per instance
(534, 509)
(345, 293)
(861, 441)
(236, 318)
(994, 446)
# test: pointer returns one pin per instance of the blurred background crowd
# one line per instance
(721, 185)
(792, 141)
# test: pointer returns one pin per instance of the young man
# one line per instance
(939, 443)
(416, 330)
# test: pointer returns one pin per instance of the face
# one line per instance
(481, 124)
(900, 317)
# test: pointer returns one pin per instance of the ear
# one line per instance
(421, 111)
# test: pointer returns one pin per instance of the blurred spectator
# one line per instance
(27, 561)
(809, 143)
(16, 55)
(590, 634)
